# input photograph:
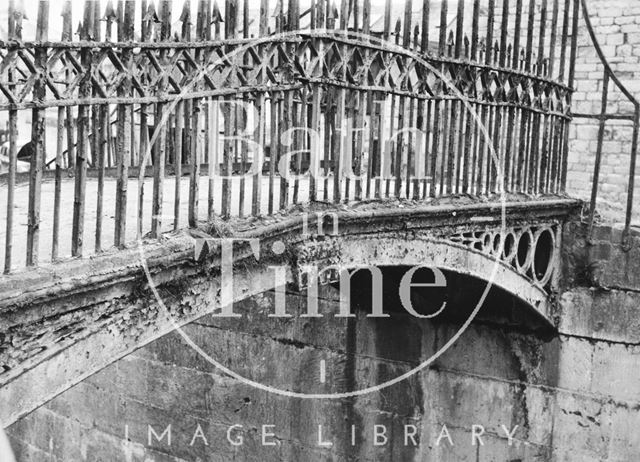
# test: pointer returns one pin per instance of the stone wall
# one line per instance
(490, 378)
(574, 395)
(617, 26)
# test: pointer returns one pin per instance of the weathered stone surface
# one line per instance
(612, 315)
(99, 310)
(582, 427)
(602, 260)
(489, 378)
(573, 394)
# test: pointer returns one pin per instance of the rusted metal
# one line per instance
(160, 146)
(603, 117)
(230, 115)
(37, 140)
(126, 17)
(337, 84)
(14, 27)
(194, 127)
(97, 130)
(632, 174)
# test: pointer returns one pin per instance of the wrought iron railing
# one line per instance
(416, 104)
(610, 76)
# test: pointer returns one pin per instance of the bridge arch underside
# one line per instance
(481, 269)
(474, 375)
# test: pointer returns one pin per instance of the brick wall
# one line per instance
(617, 26)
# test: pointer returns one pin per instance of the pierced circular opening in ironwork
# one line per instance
(487, 242)
(509, 249)
(497, 242)
(543, 256)
(524, 248)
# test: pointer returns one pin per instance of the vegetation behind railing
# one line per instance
(411, 104)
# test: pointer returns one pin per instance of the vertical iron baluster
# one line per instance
(406, 39)
(368, 107)
(632, 174)
(230, 112)
(515, 55)
(194, 128)
(258, 157)
(564, 38)
(14, 28)
(428, 174)
(160, 127)
(450, 112)
(598, 159)
(571, 76)
(476, 73)
(181, 113)
(66, 36)
(459, 28)
(435, 145)
(542, 36)
(553, 39)
(82, 148)
(38, 138)
(123, 144)
(96, 139)
(244, 115)
(493, 150)
(426, 6)
(539, 161)
(530, 25)
(457, 108)
(410, 147)
(147, 17)
(527, 183)
(359, 142)
(442, 41)
(340, 114)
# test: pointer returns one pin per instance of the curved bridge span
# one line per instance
(76, 319)
(157, 173)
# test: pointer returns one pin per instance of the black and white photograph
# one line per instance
(319, 231)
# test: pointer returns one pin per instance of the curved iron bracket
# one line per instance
(603, 117)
